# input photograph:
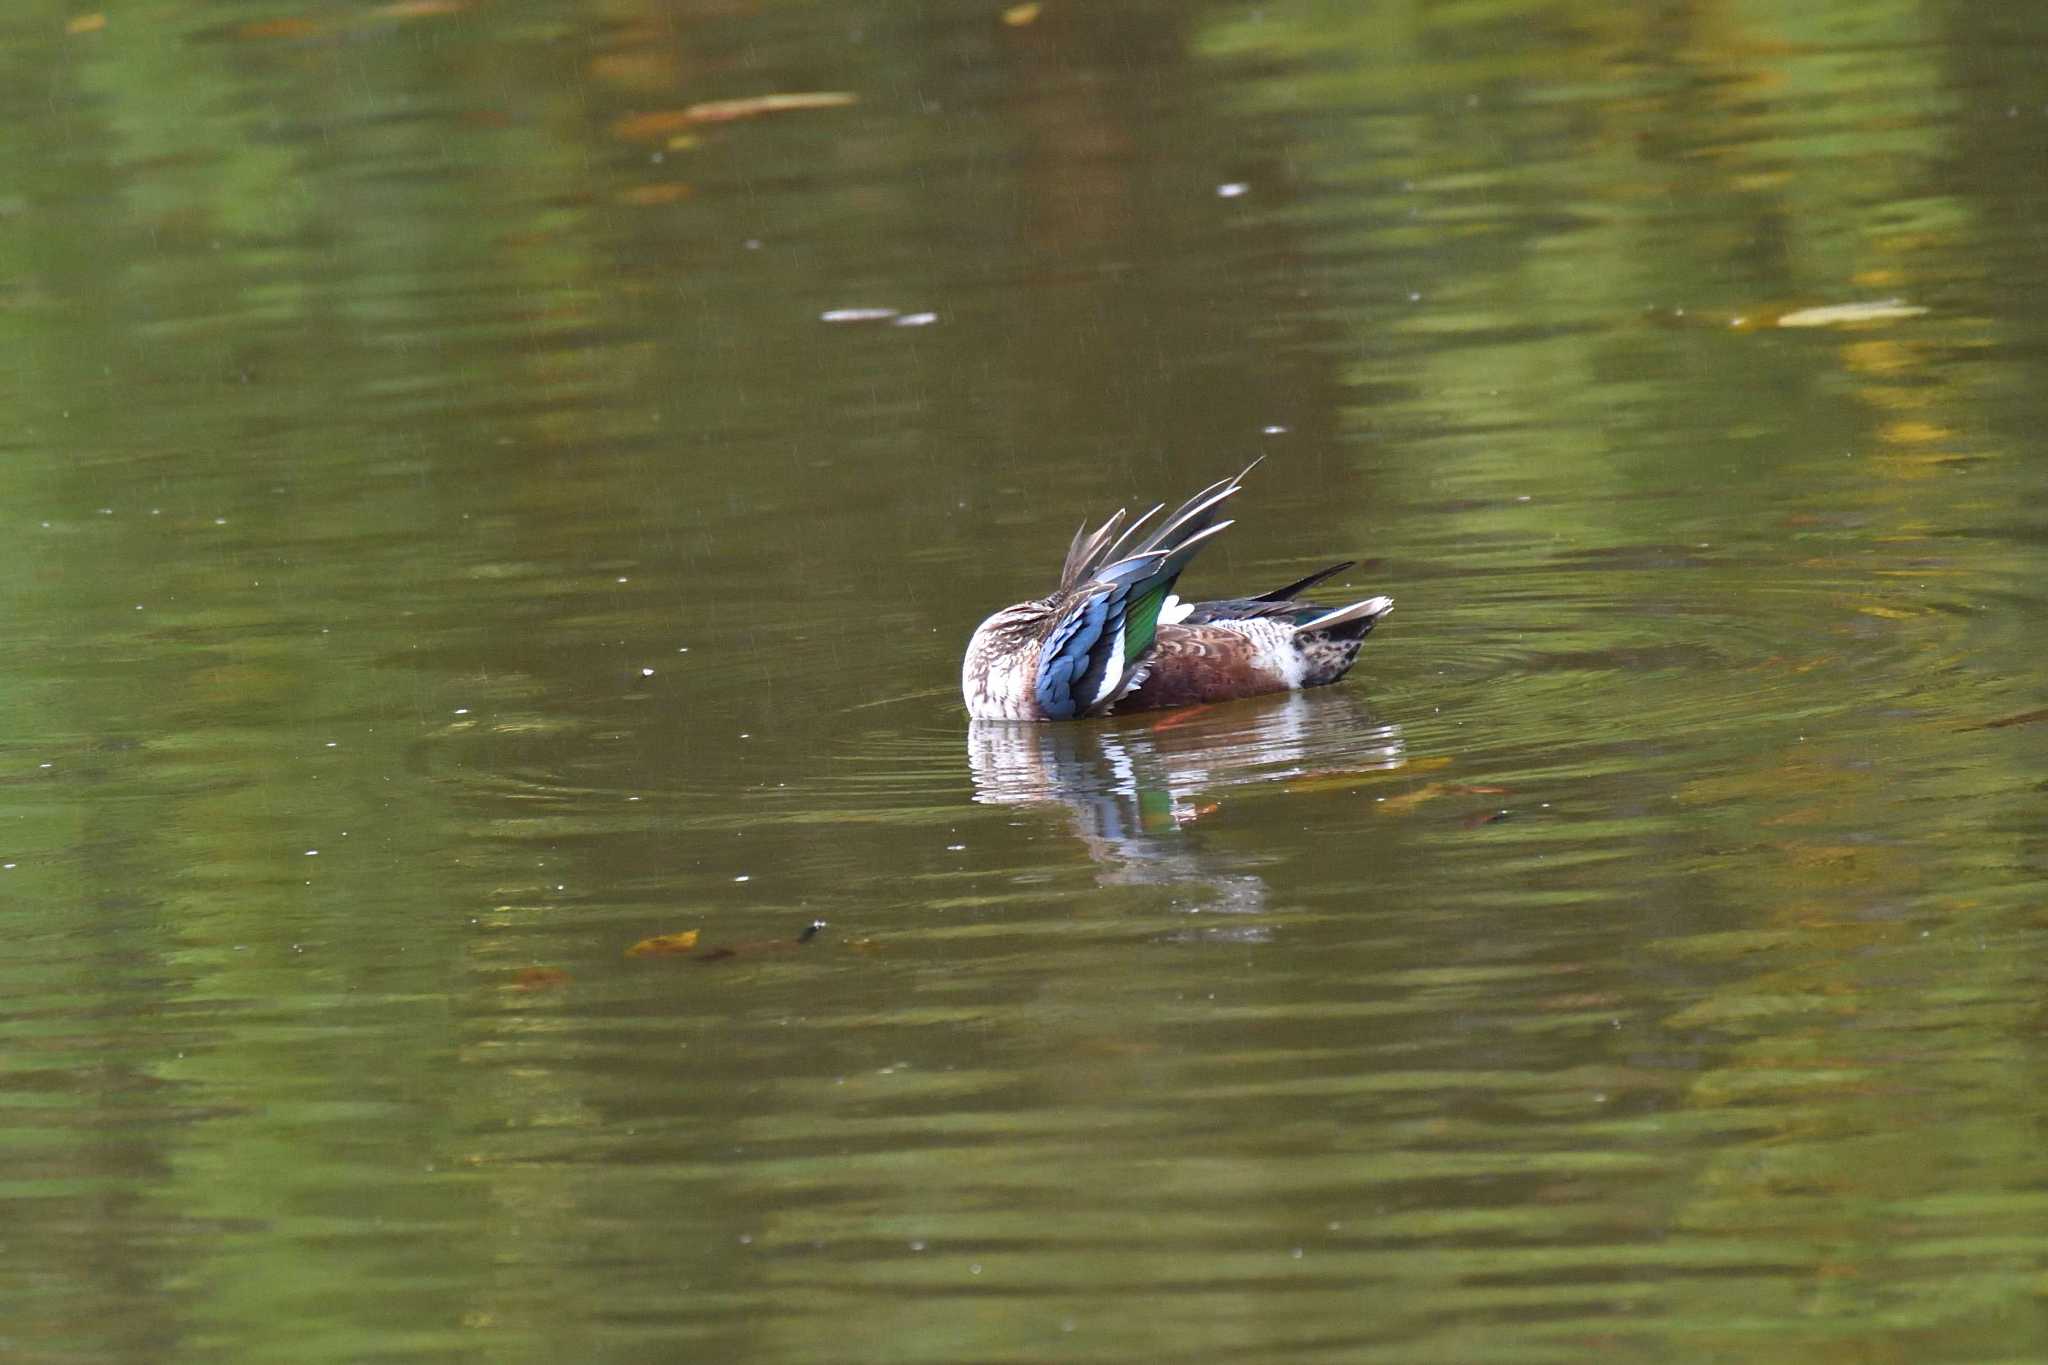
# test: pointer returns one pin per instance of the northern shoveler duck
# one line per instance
(1113, 637)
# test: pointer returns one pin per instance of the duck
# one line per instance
(1113, 636)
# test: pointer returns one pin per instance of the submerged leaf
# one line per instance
(664, 945)
(1407, 801)
(727, 952)
(539, 979)
(2023, 718)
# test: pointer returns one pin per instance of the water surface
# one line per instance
(456, 529)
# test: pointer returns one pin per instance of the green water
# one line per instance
(444, 542)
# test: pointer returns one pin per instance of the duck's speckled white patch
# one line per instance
(1273, 646)
(997, 675)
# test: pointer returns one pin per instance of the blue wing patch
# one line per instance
(1065, 658)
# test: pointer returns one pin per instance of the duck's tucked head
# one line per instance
(997, 676)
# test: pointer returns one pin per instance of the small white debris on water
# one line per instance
(743, 877)
(857, 314)
(312, 853)
(646, 672)
(1232, 189)
(462, 710)
(956, 848)
(916, 320)
(1880, 310)
(1275, 429)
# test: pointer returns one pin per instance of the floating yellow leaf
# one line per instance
(664, 945)
(1017, 16)
(86, 23)
(1881, 310)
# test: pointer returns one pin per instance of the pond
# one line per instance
(489, 484)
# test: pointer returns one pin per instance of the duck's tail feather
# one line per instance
(1300, 586)
(1347, 622)
(1087, 550)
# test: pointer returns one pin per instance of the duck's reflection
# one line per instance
(1134, 789)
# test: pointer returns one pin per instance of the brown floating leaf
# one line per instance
(664, 945)
(1485, 817)
(539, 979)
(1017, 16)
